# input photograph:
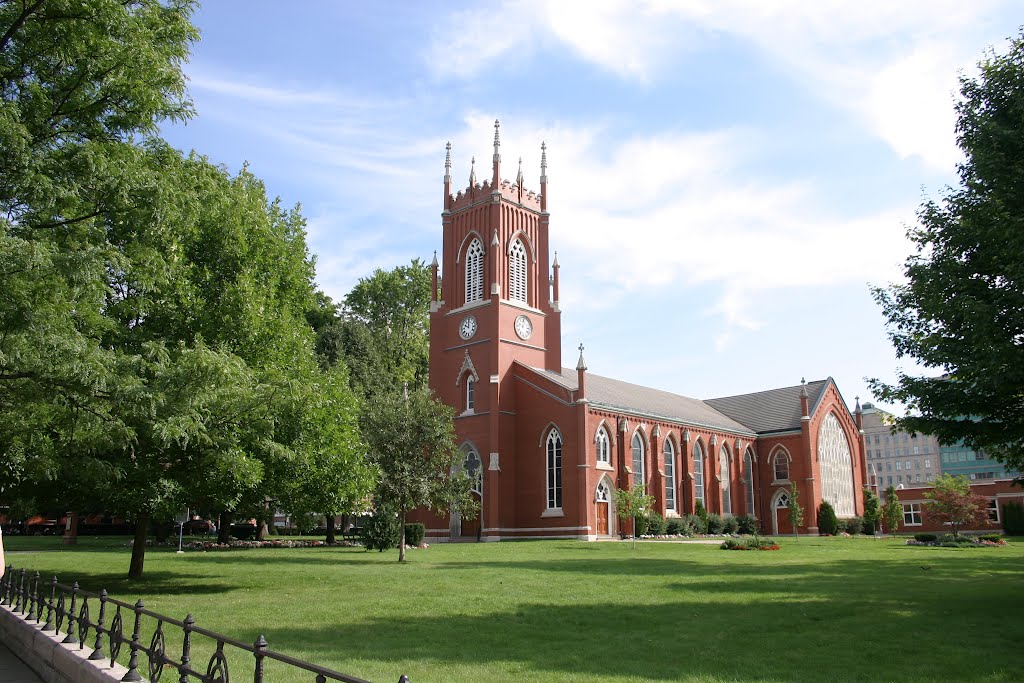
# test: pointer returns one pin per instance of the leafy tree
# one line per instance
(828, 523)
(892, 511)
(796, 511)
(952, 501)
(631, 503)
(872, 510)
(411, 440)
(702, 512)
(961, 310)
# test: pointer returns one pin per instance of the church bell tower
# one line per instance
(494, 302)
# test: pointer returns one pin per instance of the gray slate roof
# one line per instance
(633, 398)
(774, 410)
(763, 412)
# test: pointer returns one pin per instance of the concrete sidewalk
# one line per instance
(13, 670)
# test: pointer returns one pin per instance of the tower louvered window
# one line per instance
(517, 271)
(474, 271)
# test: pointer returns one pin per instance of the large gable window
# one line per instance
(517, 271)
(474, 271)
(836, 466)
(554, 467)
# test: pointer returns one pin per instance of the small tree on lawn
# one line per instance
(952, 501)
(892, 511)
(700, 511)
(872, 509)
(630, 503)
(796, 511)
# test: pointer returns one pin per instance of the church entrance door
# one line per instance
(471, 527)
(601, 518)
(781, 509)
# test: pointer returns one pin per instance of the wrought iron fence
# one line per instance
(67, 608)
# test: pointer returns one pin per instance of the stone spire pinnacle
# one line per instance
(472, 172)
(543, 162)
(553, 265)
(581, 364)
(803, 388)
(448, 160)
(496, 177)
(519, 176)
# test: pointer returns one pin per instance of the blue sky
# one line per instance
(726, 179)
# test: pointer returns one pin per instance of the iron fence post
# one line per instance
(48, 626)
(33, 596)
(133, 662)
(186, 648)
(259, 646)
(97, 651)
(19, 605)
(71, 638)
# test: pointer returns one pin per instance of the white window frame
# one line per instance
(553, 462)
(725, 472)
(604, 447)
(698, 474)
(993, 510)
(470, 394)
(912, 514)
(781, 457)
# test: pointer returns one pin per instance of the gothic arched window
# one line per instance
(474, 271)
(725, 473)
(670, 475)
(517, 271)
(748, 481)
(472, 466)
(836, 466)
(604, 451)
(781, 461)
(638, 460)
(470, 394)
(554, 467)
(698, 473)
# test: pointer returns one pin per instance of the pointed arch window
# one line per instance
(748, 481)
(670, 475)
(836, 466)
(474, 271)
(554, 467)
(781, 466)
(470, 394)
(517, 271)
(698, 474)
(472, 466)
(725, 472)
(637, 445)
(604, 451)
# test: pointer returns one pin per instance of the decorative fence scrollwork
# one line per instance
(32, 598)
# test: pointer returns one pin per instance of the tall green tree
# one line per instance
(892, 511)
(960, 312)
(872, 509)
(411, 440)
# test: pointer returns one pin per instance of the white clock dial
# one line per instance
(468, 327)
(524, 328)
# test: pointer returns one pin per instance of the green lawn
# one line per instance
(830, 609)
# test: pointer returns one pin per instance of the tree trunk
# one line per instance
(139, 547)
(401, 537)
(224, 530)
(330, 528)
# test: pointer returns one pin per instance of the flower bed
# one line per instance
(749, 544)
(950, 541)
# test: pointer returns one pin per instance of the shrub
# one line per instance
(747, 524)
(655, 524)
(414, 533)
(696, 524)
(1013, 519)
(678, 526)
(755, 543)
(855, 525)
(701, 512)
(715, 523)
(925, 538)
(993, 538)
(730, 525)
(827, 522)
(840, 526)
(381, 532)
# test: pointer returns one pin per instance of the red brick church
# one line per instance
(547, 445)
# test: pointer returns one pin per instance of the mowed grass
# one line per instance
(829, 609)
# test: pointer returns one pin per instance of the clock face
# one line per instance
(524, 328)
(468, 327)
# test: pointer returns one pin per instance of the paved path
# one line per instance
(13, 670)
